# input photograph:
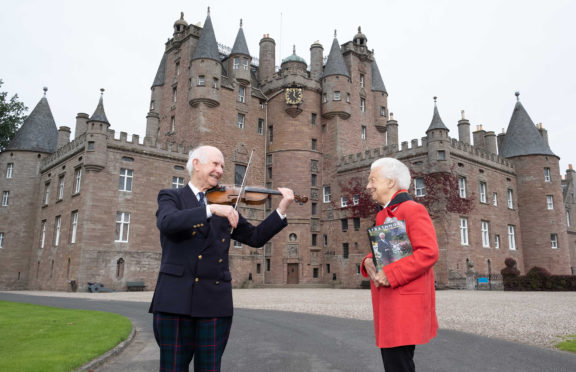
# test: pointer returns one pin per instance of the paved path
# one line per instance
(263, 340)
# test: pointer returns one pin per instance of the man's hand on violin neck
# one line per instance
(287, 199)
(226, 211)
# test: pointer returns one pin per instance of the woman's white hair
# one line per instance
(199, 153)
(393, 169)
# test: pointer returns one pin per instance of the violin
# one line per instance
(226, 194)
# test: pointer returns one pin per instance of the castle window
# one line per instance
(178, 167)
(43, 234)
(363, 133)
(511, 238)
(326, 192)
(344, 201)
(337, 96)
(441, 154)
(201, 81)
(177, 182)
(419, 188)
(269, 172)
(356, 221)
(57, 226)
(46, 193)
(462, 186)
(177, 68)
(1, 240)
(313, 179)
(325, 241)
(239, 173)
(485, 227)
(314, 144)
(361, 80)
(5, 198)
(463, 231)
(510, 199)
(215, 83)
(328, 268)
(482, 192)
(567, 218)
(355, 199)
(9, 170)
(174, 94)
(240, 121)
(324, 98)
(313, 119)
(268, 264)
(268, 159)
(497, 241)
(120, 268)
(345, 250)
(236, 64)
(314, 239)
(382, 111)
(549, 202)
(347, 97)
(261, 104)
(260, 126)
(122, 227)
(362, 104)
(152, 105)
(314, 207)
(495, 199)
(547, 177)
(125, 181)
(241, 94)
(128, 159)
(270, 133)
(315, 272)
(90, 146)
(60, 187)
(74, 227)
(554, 241)
(245, 64)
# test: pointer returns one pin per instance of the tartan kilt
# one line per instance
(182, 338)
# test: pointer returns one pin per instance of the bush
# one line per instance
(536, 279)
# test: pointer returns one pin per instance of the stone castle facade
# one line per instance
(82, 210)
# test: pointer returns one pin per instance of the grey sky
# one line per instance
(473, 55)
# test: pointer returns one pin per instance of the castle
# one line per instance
(82, 210)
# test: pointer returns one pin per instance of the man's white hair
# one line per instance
(199, 153)
(393, 169)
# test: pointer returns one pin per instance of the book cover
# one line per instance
(389, 242)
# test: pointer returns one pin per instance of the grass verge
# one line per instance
(42, 338)
(569, 344)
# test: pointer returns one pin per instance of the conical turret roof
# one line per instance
(377, 82)
(436, 122)
(240, 46)
(161, 73)
(335, 64)
(522, 137)
(99, 114)
(207, 46)
(38, 132)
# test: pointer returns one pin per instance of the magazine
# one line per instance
(389, 242)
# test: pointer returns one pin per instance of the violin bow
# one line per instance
(243, 185)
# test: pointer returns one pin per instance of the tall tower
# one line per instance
(539, 195)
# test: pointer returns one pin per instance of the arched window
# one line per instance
(120, 268)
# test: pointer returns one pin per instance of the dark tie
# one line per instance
(201, 200)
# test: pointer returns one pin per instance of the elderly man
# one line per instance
(192, 303)
(403, 297)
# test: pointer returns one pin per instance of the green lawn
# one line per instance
(569, 344)
(42, 338)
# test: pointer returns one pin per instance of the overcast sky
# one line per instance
(473, 55)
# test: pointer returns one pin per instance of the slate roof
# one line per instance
(38, 132)
(207, 47)
(161, 73)
(436, 122)
(335, 64)
(99, 114)
(293, 57)
(522, 137)
(240, 46)
(377, 82)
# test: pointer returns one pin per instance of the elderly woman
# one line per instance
(403, 297)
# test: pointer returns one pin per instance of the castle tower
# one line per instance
(380, 96)
(542, 230)
(205, 69)
(316, 60)
(239, 59)
(392, 132)
(36, 139)
(438, 143)
(96, 136)
(267, 58)
(336, 85)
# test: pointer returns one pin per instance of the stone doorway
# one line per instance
(292, 277)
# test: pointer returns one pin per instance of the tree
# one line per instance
(11, 117)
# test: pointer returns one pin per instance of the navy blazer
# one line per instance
(194, 277)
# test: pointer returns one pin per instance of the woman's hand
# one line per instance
(379, 278)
